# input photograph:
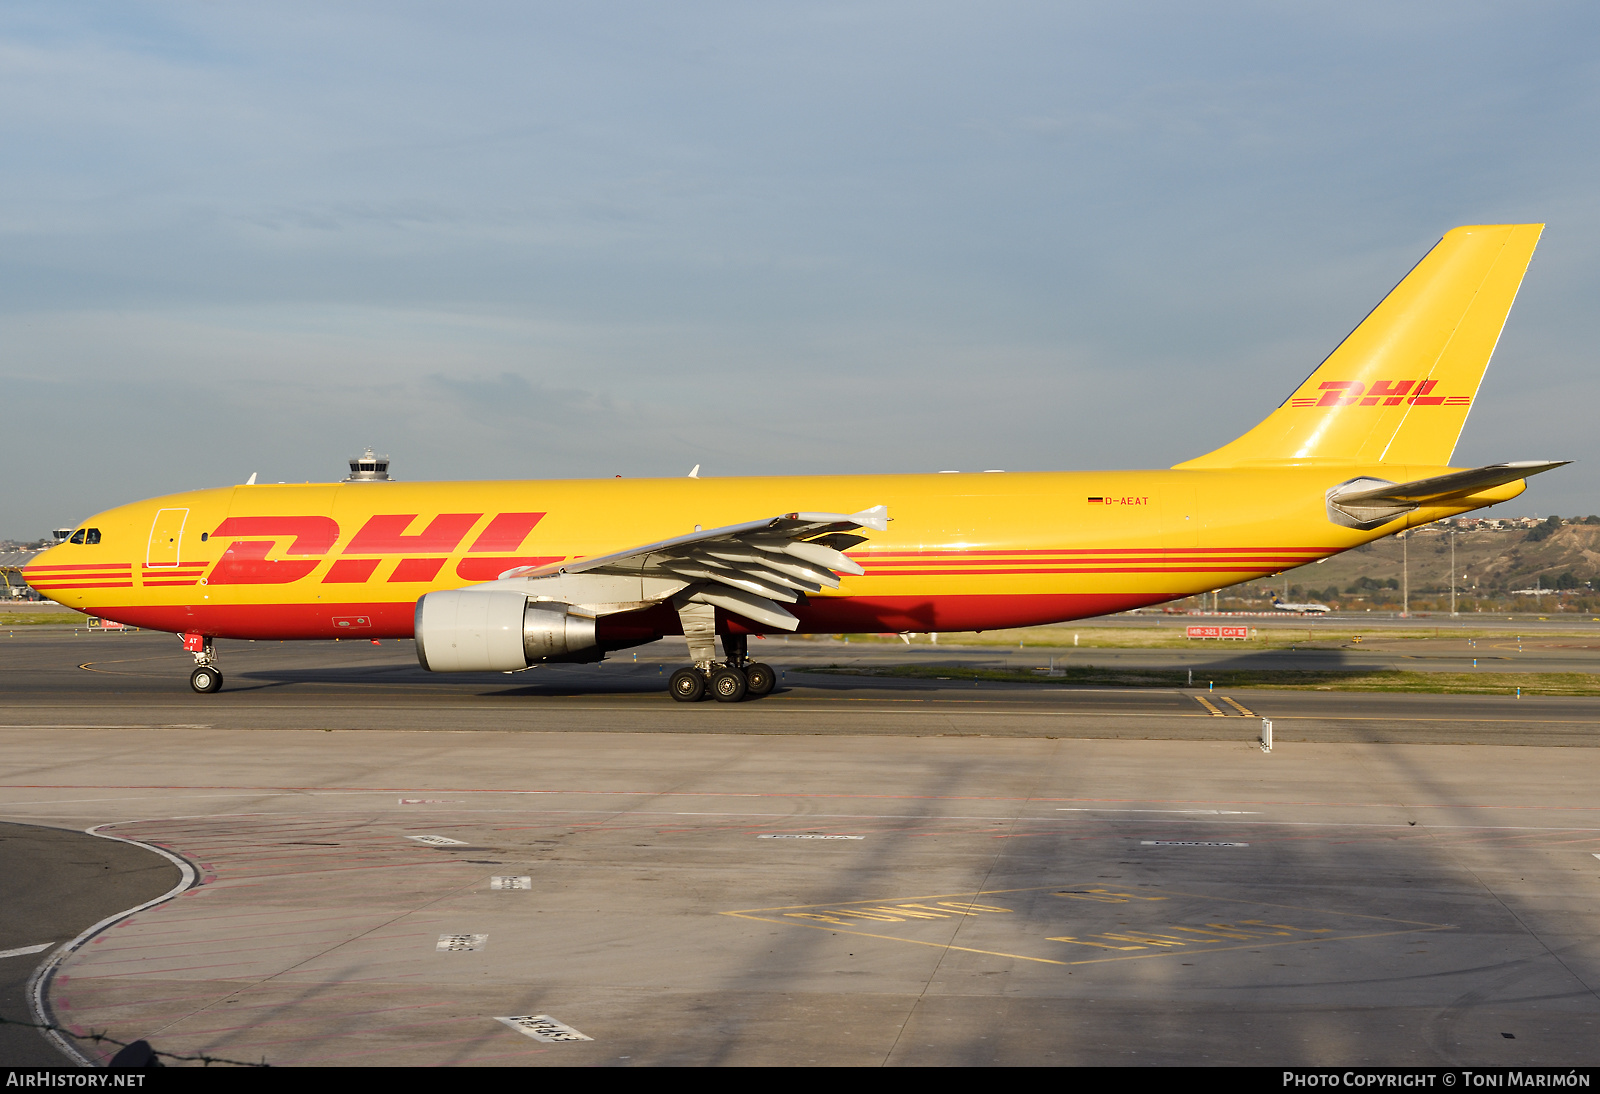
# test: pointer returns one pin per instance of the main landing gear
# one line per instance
(205, 679)
(726, 681)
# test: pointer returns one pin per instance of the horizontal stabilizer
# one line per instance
(1366, 503)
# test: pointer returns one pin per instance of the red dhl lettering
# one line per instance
(1337, 388)
(312, 535)
(1385, 392)
(245, 561)
(505, 532)
(384, 534)
(1390, 394)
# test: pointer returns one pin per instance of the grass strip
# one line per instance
(28, 619)
(1431, 683)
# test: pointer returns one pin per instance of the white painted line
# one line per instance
(429, 801)
(461, 943)
(542, 1027)
(39, 982)
(1205, 812)
(438, 841)
(778, 835)
(24, 950)
(511, 883)
(1188, 843)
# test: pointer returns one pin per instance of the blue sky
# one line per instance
(526, 240)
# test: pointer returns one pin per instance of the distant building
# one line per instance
(369, 467)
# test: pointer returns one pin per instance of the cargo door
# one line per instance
(166, 537)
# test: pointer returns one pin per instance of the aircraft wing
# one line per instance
(749, 569)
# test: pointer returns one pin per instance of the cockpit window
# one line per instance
(91, 535)
(77, 537)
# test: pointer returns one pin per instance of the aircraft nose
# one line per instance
(37, 569)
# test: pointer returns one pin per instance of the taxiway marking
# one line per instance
(22, 951)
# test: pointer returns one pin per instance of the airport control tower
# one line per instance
(369, 467)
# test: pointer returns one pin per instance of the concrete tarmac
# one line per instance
(58, 883)
(141, 680)
(849, 872)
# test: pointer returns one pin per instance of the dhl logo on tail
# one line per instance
(1387, 392)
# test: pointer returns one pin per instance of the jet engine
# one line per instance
(498, 630)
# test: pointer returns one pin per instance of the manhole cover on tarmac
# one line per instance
(542, 1027)
(803, 835)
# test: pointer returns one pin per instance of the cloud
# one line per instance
(812, 237)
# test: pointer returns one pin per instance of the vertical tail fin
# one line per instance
(1398, 389)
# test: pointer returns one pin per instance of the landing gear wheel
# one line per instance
(687, 686)
(728, 685)
(205, 680)
(761, 679)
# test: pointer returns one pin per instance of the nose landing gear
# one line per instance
(205, 679)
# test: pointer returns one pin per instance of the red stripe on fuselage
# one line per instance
(822, 615)
(53, 567)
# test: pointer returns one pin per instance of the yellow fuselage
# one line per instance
(962, 552)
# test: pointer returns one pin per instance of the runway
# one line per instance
(848, 872)
(139, 680)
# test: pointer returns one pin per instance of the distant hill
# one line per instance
(1495, 561)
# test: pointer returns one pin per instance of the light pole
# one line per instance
(1405, 574)
(1452, 571)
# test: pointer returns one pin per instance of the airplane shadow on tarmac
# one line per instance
(627, 678)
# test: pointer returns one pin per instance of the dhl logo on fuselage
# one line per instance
(1387, 392)
(383, 536)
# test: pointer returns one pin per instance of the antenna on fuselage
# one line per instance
(695, 474)
(251, 481)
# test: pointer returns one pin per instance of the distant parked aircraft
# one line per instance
(1301, 608)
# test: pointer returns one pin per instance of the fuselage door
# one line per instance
(166, 537)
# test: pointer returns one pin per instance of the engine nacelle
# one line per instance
(496, 630)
